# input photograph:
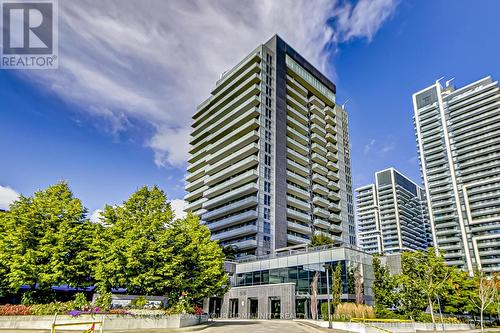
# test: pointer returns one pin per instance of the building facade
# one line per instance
(391, 215)
(458, 135)
(280, 285)
(269, 160)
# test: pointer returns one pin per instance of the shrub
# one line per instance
(347, 311)
(15, 310)
(426, 318)
(81, 301)
(324, 310)
(38, 296)
(52, 308)
(139, 302)
(103, 300)
(388, 314)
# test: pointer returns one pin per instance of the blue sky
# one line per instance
(116, 114)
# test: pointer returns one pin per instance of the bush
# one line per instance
(103, 300)
(324, 310)
(347, 311)
(37, 296)
(388, 314)
(139, 302)
(52, 308)
(426, 318)
(15, 310)
(81, 301)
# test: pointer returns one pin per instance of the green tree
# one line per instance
(320, 239)
(336, 285)
(143, 249)
(199, 260)
(45, 241)
(133, 249)
(428, 273)
(383, 286)
(486, 293)
(458, 292)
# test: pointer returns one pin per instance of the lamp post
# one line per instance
(327, 268)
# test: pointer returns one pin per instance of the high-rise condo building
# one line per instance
(392, 214)
(458, 134)
(269, 160)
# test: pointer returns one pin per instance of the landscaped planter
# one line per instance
(111, 322)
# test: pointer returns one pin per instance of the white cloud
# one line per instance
(178, 206)
(154, 61)
(7, 196)
(96, 216)
(369, 146)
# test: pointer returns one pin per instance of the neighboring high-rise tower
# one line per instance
(458, 134)
(269, 159)
(391, 215)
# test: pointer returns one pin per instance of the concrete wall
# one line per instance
(392, 327)
(285, 292)
(111, 322)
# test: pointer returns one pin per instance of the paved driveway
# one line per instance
(256, 326)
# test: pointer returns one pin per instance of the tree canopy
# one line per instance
(44, 241)
(47, 240)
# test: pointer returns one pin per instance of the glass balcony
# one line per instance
(332, 166)
(297, 168)
(318, 149)
(295, 156)
(195, 205)
(329, 111)
(335, 187)
(297, 179)
(220, 150)
(238, 167)
(319, 169)
(318, 120)
(318, 130)
(297, 146)
(332, 156)
(296, 105)
(247, 153)
(293, 239)
(315, 110)
(297, 215)
(297, 136)
(297, 203)
(237, 181)
(331, 147)
(301, 228)
(319, 179)
(228, 209)
(191, 196)
(316, 101)
(319, 159)
(249, 215)
(294, 190)
(232, 195)
(320, 189)
(335, 217)
(317, 200)
(330, 120)
(292, 113)
(322, 224)
(236, 232)
(331, 137)
(318, 139)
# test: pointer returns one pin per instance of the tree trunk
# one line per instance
(432, 314)
(482, 325)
